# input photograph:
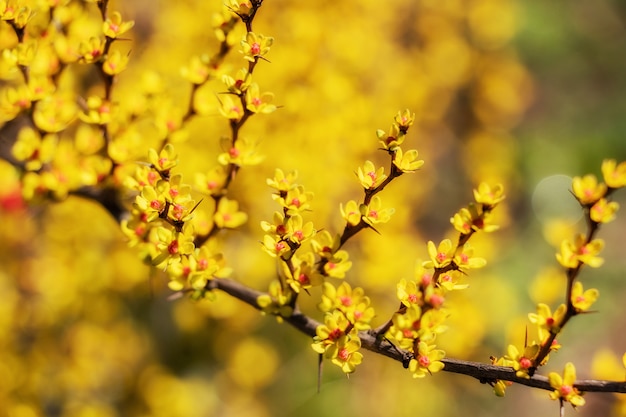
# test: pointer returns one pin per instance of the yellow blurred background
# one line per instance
(522, 93)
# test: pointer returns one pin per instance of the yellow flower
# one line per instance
(240, 83)
(572, 253)
(255, 45)
(231, 107)
(228, 214)
(282, 181)
(404, 120)
(427, 360)
(391, 140)
(583, 300)
(522, 362)
(345, 354)
(374, 214)
(369, 176)
(587, 189)
(32, 149)
(473, 218)
(257, 102)
(407, 162)
(91, 50)
(277, 301)
(239, 7)
(295, 200)
(114, 26)
(489, 196)
(546, 320)
(98, 111)
(305, 273)
(464, 259)
(244, 153)
(213, 181)
(115, 63)
(603, 211)
(440, 256)
(164, 160)
(297, 231)
(337, 265)
(353, 303)
(351, 213)
(324, 245)
(198, 70)
(564, 387)
(406, 327)
(614, 175)
(408, 293)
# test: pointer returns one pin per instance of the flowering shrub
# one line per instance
(77, 131)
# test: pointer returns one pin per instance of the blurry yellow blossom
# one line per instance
(603, 211)
(197, 71)
(213, 181)
(91, 50)
(32, 149)
(239, 83)
(490, 196)
(572, 253)
(98, 111)
(295, 200)
(473, 218)
(54, 113)
(231, 107)
(239, 7)
(164, 160)
(115, 63)
(614, 174)
(281, 181)
(114, 26)
(228, 214)
(564, 386)
(277, 301)
(587, 189)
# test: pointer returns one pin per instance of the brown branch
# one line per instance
(483, 372)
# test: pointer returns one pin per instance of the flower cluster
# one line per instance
(61, 147)
(422, 313)
(347, 312)
(593, 197)
(161, 224)
(305, 257)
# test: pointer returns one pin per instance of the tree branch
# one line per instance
(483, 372)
